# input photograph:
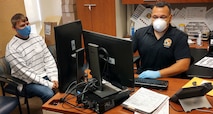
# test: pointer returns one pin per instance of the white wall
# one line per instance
(120, 18)
(38, 10)
(50, 8)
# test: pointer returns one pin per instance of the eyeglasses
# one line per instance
(162, 17)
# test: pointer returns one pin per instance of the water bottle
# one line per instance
(132, 29)
(182, 27)
(199, 40)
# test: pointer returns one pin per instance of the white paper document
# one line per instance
(205, 62)
(137, 13)
(47, 29)
(195, 13)
(147, 101)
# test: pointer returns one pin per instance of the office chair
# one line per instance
(9, 87)
(9, 103)
(52, 49)
(136, 60)
(5, 72)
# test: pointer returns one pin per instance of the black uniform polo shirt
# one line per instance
(158, 54)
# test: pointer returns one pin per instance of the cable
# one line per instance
(70, 86)
(89, 85)
(105, 51)
(91, 81)
(106, 60)
(74, 87)
(67, 91)
(76, 107)
(70, 90)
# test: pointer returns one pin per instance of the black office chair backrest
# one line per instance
(4, 66)
(8, 103)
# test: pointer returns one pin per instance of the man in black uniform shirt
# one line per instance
(163, 49)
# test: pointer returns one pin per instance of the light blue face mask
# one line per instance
(25, 32)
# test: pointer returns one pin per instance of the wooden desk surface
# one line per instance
(205, 45)
(174, 85)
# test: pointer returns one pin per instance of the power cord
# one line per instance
(105, 57)
(79, 108)
(70, 90)
(82, 103)
(67, 90)
(90, 85)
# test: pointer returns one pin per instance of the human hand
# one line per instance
(55, 84)
(150, 74)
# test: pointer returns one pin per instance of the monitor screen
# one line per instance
(68, 40)
(115, 58)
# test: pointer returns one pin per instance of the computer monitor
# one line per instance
(115, 57)
(68, 38)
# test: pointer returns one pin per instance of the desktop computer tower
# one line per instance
(101, 105)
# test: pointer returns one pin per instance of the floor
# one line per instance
(35, 106)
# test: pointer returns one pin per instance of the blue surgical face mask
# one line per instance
(25, 32)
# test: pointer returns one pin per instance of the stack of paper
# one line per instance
(142, 16)
(205, 62)
(147, 101)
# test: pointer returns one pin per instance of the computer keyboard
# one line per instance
(151, 83)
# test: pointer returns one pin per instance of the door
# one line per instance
(97, 15)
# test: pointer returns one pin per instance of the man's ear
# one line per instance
(13, 28)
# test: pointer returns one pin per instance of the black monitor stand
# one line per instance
(103, 90)
(80, 77)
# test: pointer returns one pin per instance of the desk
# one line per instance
(199, 71)
(174, 85)
(198, 52)
(205, 45)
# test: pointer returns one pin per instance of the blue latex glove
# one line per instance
(150, 74)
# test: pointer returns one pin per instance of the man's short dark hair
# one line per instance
(162, 4)
(16, 18)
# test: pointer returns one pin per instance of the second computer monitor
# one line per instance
(116, 57)
(68, 42)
